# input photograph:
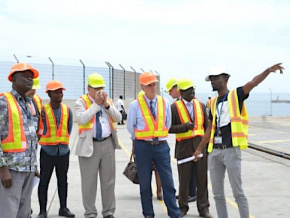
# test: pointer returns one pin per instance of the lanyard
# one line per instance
(219, 112)
(26, 110)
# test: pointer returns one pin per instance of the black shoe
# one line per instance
(192, 199)
(42, 214)
(176, 196)
(65, 212)
(109, 216)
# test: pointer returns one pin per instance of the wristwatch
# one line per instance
(107, 108)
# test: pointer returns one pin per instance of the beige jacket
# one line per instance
(85, 140)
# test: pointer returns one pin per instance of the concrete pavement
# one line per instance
(265, 178)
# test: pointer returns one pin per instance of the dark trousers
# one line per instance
(184, 172)
(47, 164)
(160, 154)
(122, 121)
(192, 183)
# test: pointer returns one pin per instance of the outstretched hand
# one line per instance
(276, 67)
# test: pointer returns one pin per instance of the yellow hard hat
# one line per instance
(184, 84)
(141, 93)
(36, 84)
(96, 80)
(170, 83)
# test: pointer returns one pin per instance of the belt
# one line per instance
(103, 139)
(217, 146)
(151, 142)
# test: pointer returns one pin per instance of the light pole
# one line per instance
(270, 102)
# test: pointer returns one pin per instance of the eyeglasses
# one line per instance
(151, 85)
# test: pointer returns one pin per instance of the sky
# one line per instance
(176, 38)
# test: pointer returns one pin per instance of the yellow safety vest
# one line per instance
(184, 118)
(54, 135)
(153, 128)
(89, 125)
(239, 121)
(16, 139)
(38, 101)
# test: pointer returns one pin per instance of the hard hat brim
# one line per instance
(54, 89)
(207, 78)
(149, 82)
(34, 72)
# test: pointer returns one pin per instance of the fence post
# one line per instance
(84, 77)
(135, 89)
(16, 58)
(52, 68)
(111, 79)
(124, 81)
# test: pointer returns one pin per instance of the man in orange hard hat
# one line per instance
(57, 122)
(96, 116)
(18, 148)
(149, 128)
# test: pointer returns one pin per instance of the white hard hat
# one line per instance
(215, 71)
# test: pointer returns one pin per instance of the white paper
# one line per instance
(188, 159)
(35, 181)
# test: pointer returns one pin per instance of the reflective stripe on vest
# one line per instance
(16, 139)
(239, 121)
(38, 102)
(153, 128)
(89, 125)
(54, 135)
(184, 118)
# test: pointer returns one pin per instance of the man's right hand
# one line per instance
(6, 177)
(190, 126)
(99, 98)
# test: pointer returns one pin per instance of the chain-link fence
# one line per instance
(73, 75)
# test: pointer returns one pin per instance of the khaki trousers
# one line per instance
(15, 201)
(102, 163)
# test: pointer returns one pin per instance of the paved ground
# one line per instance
(265, 178)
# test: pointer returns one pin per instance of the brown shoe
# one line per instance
(206, 214)
(183, 213)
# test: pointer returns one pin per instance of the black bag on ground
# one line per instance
(131, 171)
(124, 115)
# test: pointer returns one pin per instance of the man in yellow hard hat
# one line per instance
(149, 128)
(18, 147)
(36, 103)
(57, 122)
(171, 88)
(227, 134)
(96, 116)
(174, 92)
(189, 121)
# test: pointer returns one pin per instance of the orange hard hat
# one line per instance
(53, 85)
(147, 77)
(20, 67)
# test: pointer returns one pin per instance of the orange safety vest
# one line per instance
(153, 128)
(54, 135)
(16, 139)
(38, 101)
(89, 125)
(184, 118)
(239, 121)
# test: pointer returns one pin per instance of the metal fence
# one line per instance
(73, 75)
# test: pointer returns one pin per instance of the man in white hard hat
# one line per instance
(227, 134)
(96, 116)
